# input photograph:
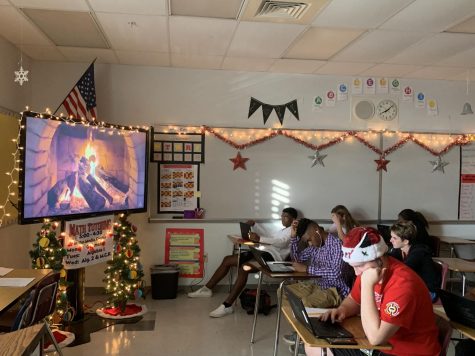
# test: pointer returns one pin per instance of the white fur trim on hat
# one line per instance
(353, 253)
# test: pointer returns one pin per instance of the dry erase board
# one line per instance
(279, 173)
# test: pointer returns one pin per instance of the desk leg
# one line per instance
(279, 312)
(463, 284)
(297, 344)
(256, 306)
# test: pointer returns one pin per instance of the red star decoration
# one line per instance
(382, 163)
(239, 161)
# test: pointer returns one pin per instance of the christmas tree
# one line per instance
(48, 252)
(124, 272)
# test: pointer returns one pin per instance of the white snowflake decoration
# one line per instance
(21, 76)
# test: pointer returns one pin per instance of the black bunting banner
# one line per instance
(279, 109)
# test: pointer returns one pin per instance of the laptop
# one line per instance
(385, 232)
(459, 309)
(266, 261)
(245, 229)
(319, 328)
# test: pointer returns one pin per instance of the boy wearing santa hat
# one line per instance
(392, 299)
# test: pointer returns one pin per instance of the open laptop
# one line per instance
(385, 232)
(319, 328)
(245, 229)
(262, 257)
(459, 309)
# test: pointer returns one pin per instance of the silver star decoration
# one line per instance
(21, 76)
(317, 159)
(438, 165)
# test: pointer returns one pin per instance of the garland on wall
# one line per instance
(436, 144)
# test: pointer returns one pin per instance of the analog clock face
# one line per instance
(387, 110)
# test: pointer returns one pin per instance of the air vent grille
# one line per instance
(282, 9)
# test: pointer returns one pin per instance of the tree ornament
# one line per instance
(21, 76)
(381, 163)
(129, 253)
(40, 262)
(44, 242)
(438, 165)
(133, 274)
(239, 161)
(317, 159)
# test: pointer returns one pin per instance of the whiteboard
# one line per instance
(410, 183)
(279, 169)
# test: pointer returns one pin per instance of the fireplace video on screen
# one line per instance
(78, 169)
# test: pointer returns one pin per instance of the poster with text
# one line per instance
(467, 183)
(88, 242)
(178, 188)
(184, 247)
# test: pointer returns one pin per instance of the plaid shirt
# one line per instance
(325, 262)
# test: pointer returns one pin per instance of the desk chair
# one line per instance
(466, 252)
(443, 269)
(23, 316)
(434, 244)
(445, 332)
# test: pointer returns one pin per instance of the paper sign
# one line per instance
(357, 86)
(369, 86)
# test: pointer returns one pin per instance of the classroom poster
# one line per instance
(467, 183)
(178, 188)
(184, 247)
(88, 242)
(178, 148)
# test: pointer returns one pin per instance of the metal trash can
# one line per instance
(164, 281)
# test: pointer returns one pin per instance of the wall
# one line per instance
(146, 95)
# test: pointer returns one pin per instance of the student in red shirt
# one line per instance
(392, 299)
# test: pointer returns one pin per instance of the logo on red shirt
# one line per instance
(392, 309)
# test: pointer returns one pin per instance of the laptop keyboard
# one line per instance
(327, 329)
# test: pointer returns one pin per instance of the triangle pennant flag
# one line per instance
(293, 108)
(266, 111)
(280, 111)
(253, 106)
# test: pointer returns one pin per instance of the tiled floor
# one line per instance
(182, 327)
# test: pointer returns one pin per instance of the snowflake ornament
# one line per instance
(21, 76)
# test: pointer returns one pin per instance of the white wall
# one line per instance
(147, 95)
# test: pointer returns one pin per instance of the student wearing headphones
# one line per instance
(393, 301)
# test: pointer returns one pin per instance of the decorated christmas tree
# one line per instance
(48, 252)
(124, 272)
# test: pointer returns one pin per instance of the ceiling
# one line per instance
(423, 39)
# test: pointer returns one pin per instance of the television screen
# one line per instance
(74, 170)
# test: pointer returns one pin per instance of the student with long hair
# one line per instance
(420, 223)
(343, 222)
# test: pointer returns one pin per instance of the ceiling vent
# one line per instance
(282, 9)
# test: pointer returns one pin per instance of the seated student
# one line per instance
(409, 215)
(278, 247)
(418, 256)
(318, 253)
(342, 221)
(393, 301)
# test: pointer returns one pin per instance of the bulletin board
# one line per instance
(185, 247)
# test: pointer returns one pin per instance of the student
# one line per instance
(419, 221)
(318, 253)
(393, 301)
(277, 246)
(418, 257)
(342, 221)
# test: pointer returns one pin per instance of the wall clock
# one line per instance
(387, 110)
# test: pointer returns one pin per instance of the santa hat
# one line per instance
(363, 244)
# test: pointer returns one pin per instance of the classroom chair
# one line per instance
(434, 244)
(466, 252)
(445, 332)
(23, 316)
(443, 269)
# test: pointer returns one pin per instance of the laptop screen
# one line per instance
(458, 309)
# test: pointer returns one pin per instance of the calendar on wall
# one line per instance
(178, 148)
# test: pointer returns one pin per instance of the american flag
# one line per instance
(81, 101)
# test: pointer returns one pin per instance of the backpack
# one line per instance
(248, 301)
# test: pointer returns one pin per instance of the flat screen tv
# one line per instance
(72, 171)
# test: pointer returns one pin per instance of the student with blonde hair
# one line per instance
(343, 222)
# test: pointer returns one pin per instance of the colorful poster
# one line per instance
(330, 98)
(178, 188)
(88, 242)
(420, 103)
(408, 94)
(432, 107)
(184, 247)
(342, 92)
(370, 86)
(382, 86)
(467, 183)
(357, 86)
(395, 86)
(317, 103)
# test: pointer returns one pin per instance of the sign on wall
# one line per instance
(185, 248)
(178, 188)
(88, 242)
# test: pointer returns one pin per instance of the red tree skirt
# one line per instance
(63, 338)
(131, 311)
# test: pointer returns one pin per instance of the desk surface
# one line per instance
(455, 240)
(352, 324)
(290, 275)
(10, 295)
(457, 264)
(465, 330)
(23, 341)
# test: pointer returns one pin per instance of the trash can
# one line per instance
(164, 281)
